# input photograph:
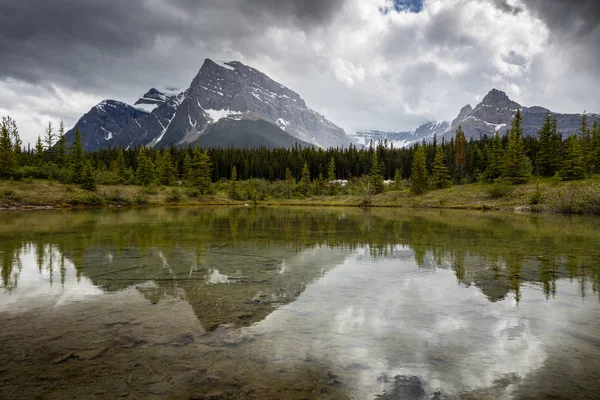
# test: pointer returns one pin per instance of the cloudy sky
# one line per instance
(365, 64)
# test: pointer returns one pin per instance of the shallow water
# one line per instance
(280, 303)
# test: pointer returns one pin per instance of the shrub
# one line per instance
(149, 190)
(88, 199)
(142, 200)
(174, 196)
(115, 196)
(574, 199)
(500, 189)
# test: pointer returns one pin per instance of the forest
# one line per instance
(301, 172)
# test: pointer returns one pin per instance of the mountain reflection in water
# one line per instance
(293, 303)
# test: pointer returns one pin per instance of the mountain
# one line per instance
(220, 91)
(247, 134)
(493, 113)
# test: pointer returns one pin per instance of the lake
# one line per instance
(298, 303)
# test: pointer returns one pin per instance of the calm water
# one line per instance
(282, 303)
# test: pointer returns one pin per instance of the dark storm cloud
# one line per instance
(581, 17)
(68, 41)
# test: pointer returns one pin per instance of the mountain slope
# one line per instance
(219, 91)
(247, 134)
(493, 113)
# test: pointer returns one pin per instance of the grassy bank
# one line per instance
(582, 197)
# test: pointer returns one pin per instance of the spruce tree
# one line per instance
(61, 148)
(120, 165)
(233, 184)
(188, 169)
(419, 178)
(7, 155)
(440, 176)
(517, 166)
(573, 162)
(88, 180)
(304, 185)
(145, 174)
(48, 140)
(375, 175)
(289, 182)
(165, 169)
(543, 159)
(495, 159)
(461, 154)
(39, 150)
(331, 170)
(585, 140)
(596, 147)
(76, 157)
(398, 179)
(201, 171)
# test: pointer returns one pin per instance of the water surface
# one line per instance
(280, 303)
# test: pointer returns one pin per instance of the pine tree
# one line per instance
(289, 182)
(596, 146)
(543, 160)
(419, 178)
(304, 185)
(76, 157)
(375, 175)
(331, 170)
(517, 166)
(188, 169)
(7, 156)
(165, 169)
(61, 148)
(49, 141)
(461, 154)
(398, 179)
(145, 174)
(120, 165)
(440, 176)
(495, 159)
(88, 180)
(573, 162)
(585, 140)
(201, 171)
(233, 184)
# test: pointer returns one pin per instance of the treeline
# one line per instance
(510, 158)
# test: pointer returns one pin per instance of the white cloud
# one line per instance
(362, 69)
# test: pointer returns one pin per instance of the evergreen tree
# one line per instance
(233, 186)
(375, 175)
(188, 169)
(39, 149)
(88, 180)
(76, 157)
(304, 185)
(495, 159)
(331, 170)
(585, 140)
(461, 154)
(49, 142)
(145, 174)
(419, 178)
(289, 182)
(517, 166)
(440, 176)
(165, 169)
(61, 148)
(573, 162)
(596, 147)
(120, 165)
(201, 171)
(7, 156)
(545, 164)
(398, 179)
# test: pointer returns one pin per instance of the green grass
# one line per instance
(545, 195)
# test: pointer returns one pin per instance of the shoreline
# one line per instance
(582, 197)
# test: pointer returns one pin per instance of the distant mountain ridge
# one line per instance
(220, 90)
(493, 113)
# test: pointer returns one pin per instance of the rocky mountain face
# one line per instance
(221, 90)
(494, 113)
